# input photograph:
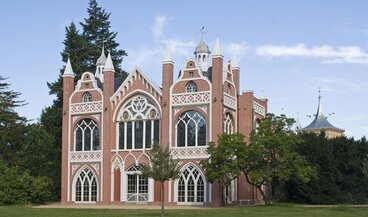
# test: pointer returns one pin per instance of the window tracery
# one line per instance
(86, 186)
(191, 130)
(191, 186)
(228, 124)
(191, 87)
(87, 136)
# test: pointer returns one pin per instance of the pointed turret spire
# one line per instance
(167, 57)
(109, 66)
(319, 109)
(217, 49)
(234, 61)
(68, 69)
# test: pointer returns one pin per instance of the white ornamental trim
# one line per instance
(229, 101)
(189, 152)
(191, 98)
(86, 107)
(258, 108)
(85, 156)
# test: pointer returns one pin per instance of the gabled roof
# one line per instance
(130, 79)
(320, 121)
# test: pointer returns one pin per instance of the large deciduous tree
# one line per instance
(271, 157)
(162, 168)
(223, 165)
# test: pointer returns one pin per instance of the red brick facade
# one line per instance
(108, 128)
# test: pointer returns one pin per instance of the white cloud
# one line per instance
(158, 27)
(341, 84)
(241, 49)
(329, 54)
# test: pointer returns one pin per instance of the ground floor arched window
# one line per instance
(191, 186)
(137, 186)
(86, 188)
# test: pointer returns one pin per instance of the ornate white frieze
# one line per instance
(97, 116)
(191, 98)
(203, 108)
(189, 152)
(85, 156)
(229, 101)
(258, 108)
(86, 107)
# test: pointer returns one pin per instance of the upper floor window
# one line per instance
(191, 87)
(191, 130)
(139, 125)
(87, 136)
(87, 97)
(228, 124)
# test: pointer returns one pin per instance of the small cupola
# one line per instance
(202, 53)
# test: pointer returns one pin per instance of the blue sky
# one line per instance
(286, 49)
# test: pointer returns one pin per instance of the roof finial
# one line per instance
(109, 66)
(217, 49)
(167, 57)
(320, 110)
(68, 69)
(234, 60)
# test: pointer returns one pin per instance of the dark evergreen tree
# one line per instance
(12, 125)
(339, 179)
(96, 30)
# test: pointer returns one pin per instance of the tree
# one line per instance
(222, 165)
(339, 163)
(161, 168)
(96, 30)
(12, 125)
(270, 155)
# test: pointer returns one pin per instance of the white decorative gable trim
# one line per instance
(136, 74)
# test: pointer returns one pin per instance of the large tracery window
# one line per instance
(139, 125)
(191, 186)
(87, 136)
(228, 124)
(86, 186)
(191, 87)
(191, 130)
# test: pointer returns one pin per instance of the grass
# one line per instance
(280, 210)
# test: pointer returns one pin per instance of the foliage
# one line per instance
(270, 156)
(222, 165)
(36, 151)
(162, 168)
(339, 164)
(17, 187)
(12, 126)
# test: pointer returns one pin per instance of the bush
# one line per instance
(18, 187)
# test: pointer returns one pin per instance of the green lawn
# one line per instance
(244, 211)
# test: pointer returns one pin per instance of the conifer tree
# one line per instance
(96, 30)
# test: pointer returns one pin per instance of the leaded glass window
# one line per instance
(228, 124)
(191, 130)
(87, 136)
(86, 188)
(191, 87)
(139, 124)
(191, 186)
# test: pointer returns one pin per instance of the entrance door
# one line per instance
(137, 186)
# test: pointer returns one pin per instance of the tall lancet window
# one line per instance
(228, 124)
(87, 136)
(87, 97)
(139, 124)
(191, 130)
(191, 87)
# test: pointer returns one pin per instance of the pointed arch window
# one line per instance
(191, 130)
(139, 124)
(228, 124)
(191, 186)
(87, 136)
(87, 97)
(191, 87)
(86, 188)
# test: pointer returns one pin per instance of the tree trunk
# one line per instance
(162, 198)
(265, 196)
